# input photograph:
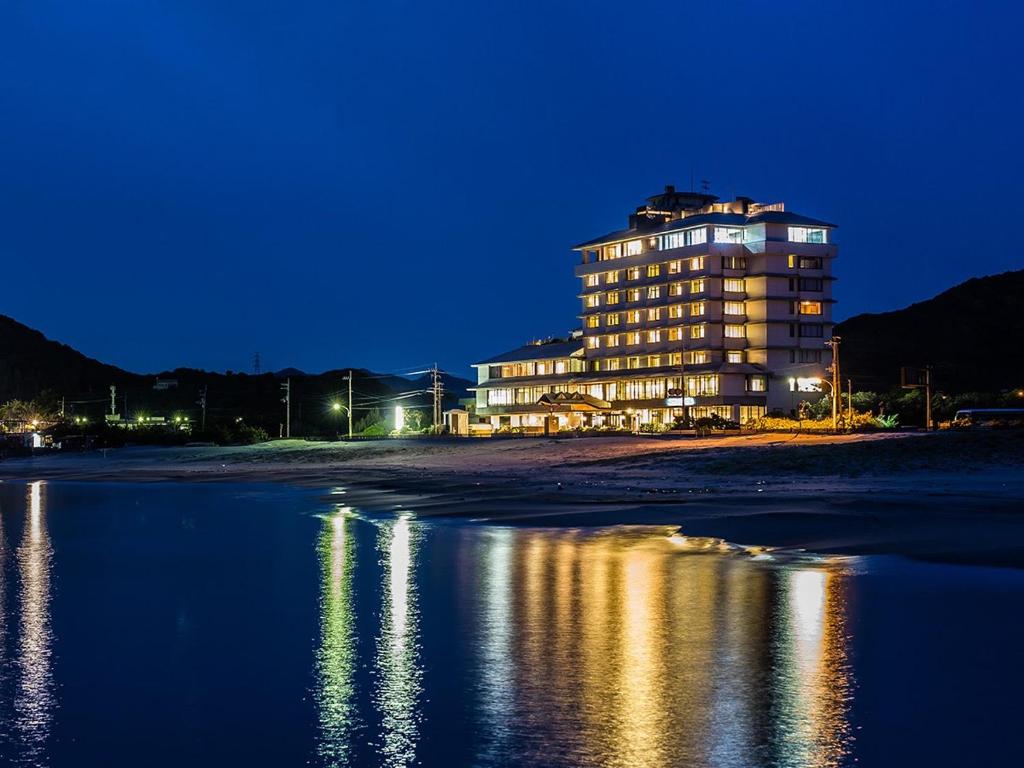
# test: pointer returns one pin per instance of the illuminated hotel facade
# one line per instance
(699, 307)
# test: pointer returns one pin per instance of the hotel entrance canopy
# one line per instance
(573, 401)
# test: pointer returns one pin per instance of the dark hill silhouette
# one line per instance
(32, 366)
(972, 335)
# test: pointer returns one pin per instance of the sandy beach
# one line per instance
(955, 497)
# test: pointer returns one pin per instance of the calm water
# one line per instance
(249, 625)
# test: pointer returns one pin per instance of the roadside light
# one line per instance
(399, 418)
(335, 406)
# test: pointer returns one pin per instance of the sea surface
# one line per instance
(216, 625)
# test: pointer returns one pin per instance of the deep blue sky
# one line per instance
(385, 184)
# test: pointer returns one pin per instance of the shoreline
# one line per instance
(926, 497)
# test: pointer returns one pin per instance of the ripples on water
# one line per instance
(600, 648)
(451, 644)
(28, 699)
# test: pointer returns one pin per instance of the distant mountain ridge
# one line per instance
(972, 336)
(32, 366)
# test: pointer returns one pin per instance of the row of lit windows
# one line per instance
(699, 235)
(697, 385)
(730, 284)
(657, 335)
(536, 368)
(676, 312)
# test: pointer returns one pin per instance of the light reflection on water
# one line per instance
(602, 648)
(34, 698)
(336, 658)
(397, 663)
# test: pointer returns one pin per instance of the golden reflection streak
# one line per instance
(497, 702)
(34, 699)
(399, 675)
(337, 654)
(644, 720)
(816, 685)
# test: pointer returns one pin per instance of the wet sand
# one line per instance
(951, 497)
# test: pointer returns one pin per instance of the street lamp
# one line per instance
(338, 408)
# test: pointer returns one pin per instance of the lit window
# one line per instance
(735, 332)
(807, 235)
(654, 336)
(791, 261)
(675, 267)
(654, 314)
(633, 316)
(697, 309)
(810, 307)
(757, 384)
(633, 273)
(733, 285)
(654, 361)
(697, 286)
(633, 337)
(675, 358)
(613, 251)
(675, 334)
(612, 318)
(696, 263)
(593, 321)
(734, 356)
(675, 312)
(613, 276)
(592, 280)
(633, 294)
(593, 342)
(560, 366)
(611, 364)
(704, 385)
(675, 289)
(613, 298)
(733, 308)
(612, 340)
(696, 331)
(653, 291)
(634, 247)
(697, 358)
(632, 362)
(653, 270)
(728, 234)
(683, 238)
(592, 301)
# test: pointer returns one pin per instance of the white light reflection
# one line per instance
(399, 675)
(34, 698)
(496, 663)
(813, 674)
(336, 657)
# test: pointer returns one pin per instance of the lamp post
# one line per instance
(338, 408)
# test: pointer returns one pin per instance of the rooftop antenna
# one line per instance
(705, 186)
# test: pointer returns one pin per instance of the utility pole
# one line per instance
(849, 403)
(837, 382)
(436, 381)
(927, 398)
(287, 400)
(349, 404)
(202, 404)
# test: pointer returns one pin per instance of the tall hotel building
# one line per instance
(699, 306)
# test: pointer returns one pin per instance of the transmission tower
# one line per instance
(257, 368)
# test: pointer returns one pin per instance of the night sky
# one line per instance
(386, 184)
